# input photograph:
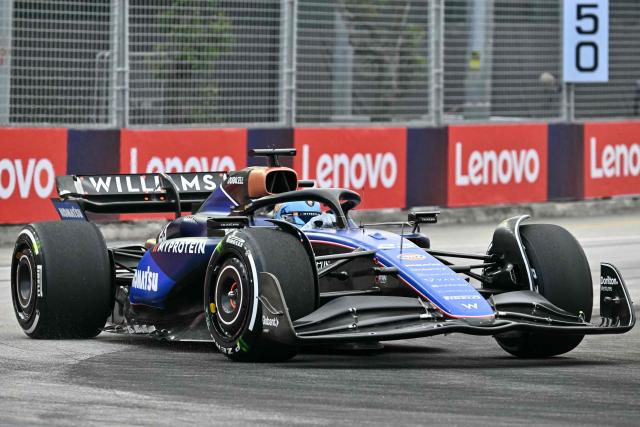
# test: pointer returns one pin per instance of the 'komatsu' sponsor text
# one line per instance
(146, 280)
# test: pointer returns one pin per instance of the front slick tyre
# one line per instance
(230, 291)
(564, 278)
(61, 280)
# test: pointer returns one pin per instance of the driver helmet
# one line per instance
(297, 213)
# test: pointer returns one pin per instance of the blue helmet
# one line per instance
(297, 213)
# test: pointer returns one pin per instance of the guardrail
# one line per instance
(273, 63)
(395, 167)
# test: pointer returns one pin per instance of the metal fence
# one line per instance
(362, 61)
(502, 60)
(203, 62)
(620, 97)
(181, 63)
(57, 67)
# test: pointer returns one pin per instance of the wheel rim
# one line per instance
(25, 286)
(229, 299)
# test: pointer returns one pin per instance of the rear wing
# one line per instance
(137, 193)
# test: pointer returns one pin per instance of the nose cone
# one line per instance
(436, 282)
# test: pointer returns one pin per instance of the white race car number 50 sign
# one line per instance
(586, 41)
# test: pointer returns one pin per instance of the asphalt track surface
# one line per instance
(452, 380)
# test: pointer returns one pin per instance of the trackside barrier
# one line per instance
(181, 150)
(93, 152)
(594, 160)
(30, 159)
(566, 157)
(427, 166)
(453, 166)
(496, 164)
(611, 159)
(371, 161)
(269, 138)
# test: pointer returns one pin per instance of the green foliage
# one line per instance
(390, 53)
(197, 35)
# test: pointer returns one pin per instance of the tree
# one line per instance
(390, 55)
(198, 34)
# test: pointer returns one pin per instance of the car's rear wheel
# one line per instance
(562, 276)
(234, 317)
(61, 283)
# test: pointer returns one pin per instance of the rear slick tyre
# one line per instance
(61, 283)
(562, 276)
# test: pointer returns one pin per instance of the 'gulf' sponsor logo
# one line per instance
(497, 164)
(411, 257)
(612, 159)
(369, 161)
(30, 161)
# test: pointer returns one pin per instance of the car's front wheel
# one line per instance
(234, 314)
(562, 275)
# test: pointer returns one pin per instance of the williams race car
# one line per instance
(267, 264)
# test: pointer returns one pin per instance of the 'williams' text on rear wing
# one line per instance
(139, 193)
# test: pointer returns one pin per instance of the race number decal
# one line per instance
(586, 41)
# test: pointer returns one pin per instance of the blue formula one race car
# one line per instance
(267, 264)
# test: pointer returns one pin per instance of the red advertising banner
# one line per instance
(188, 150)
(30, 160)
(371, 161)
(495, 164)
(611, 159)
(199, 150)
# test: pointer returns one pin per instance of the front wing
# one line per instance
(377, 318)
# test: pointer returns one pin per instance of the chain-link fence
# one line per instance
(57, 65)
(203, 62)
(362, 61)
(502, 60)
(180, 63)
(620, 97)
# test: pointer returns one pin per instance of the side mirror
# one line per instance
(425, 217)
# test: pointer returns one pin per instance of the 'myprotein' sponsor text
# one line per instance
(181, 246)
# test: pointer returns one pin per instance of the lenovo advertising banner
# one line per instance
(370, 161)
(200, 150)
(189, 150)
(611, 159)
(496, 164)
(30, 159)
